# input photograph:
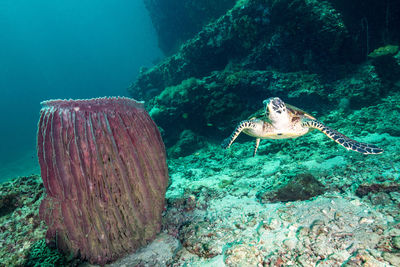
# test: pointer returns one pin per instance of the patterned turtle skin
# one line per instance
(281, 121)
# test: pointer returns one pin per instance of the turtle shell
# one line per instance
(296, 112)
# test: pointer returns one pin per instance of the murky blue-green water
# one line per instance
(63, 49)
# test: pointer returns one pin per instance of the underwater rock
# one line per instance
(381, 118)
(212, 105)
(304, 51)
(387, 50)
(177, 21)
(195, 104)
(371, 24)
(197, 239)
(103, 165)
(187, 144)
(8, 203)
(243, 255)
(362, 85)
(20, 225)
(365, 189)
(287, 35)
(15, 193)
(387, 62)
(393, 258)
(160, 252)
(301, 187)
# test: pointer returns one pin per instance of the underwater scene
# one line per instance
(200, 133)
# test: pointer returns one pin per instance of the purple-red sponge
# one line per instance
(103, 164)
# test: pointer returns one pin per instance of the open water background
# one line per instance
(63, 49)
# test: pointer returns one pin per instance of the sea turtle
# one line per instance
(280, 121)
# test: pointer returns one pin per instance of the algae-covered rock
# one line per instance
(387, 63)
(310, 53)
(243, 255)
(301, 187)
(297, 50)
(253, 30)
(387, 50)
(8, 203)
(211, 106)
(382, 118)
(20, 225)
(188, 143)
(361, 85)
(365, 189)
(178, 20)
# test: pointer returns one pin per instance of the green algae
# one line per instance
(387, 50)
(20, 225)
(41, 255)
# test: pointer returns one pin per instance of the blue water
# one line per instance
(63, 49)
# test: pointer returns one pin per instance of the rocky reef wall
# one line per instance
(179, 20)
(304, 51)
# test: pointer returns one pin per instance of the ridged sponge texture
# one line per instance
(103, 164)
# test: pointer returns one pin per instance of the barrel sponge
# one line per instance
(103, 164)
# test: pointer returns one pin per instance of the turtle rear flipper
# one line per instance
(343, 140)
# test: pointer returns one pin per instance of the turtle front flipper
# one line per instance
(343, 140)
(243, 125)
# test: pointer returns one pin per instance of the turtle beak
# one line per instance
(267, 106)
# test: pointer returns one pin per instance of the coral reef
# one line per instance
(253, 30)
(214, 217)
(371, 24)
(103, 165)
(214, 212)
(178, 20)
(298, 202)
(386, 61)
(187, 144)
(305, 52)
(20, 225)
(211, 106)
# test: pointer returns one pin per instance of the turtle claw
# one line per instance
(226, 143)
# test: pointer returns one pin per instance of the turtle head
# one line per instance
(275, 110)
